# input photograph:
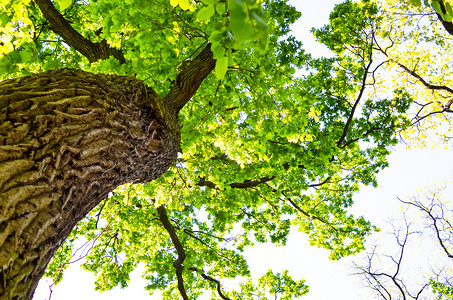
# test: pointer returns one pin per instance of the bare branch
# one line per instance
(435, 221)
(388, 284)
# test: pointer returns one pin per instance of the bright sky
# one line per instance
(409, 171)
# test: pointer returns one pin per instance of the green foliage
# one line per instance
(364, 18)
(262, 149)
(16, 44)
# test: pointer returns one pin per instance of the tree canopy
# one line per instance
(273, 138)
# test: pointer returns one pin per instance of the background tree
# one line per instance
(261, 148)
(386, 273)
(412, 46)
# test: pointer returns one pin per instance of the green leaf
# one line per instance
(221, 67)
(184, 4)
(242, 32)
(220, 8)
(416, 2)
(436, 7)
(448, 8)
(108, 23)
(4, 18)
(215, 37)
(25, 56)
(240, 28)
(64, 4)
(218, 52)
(205, 13)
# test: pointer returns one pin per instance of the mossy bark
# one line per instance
(68, 138)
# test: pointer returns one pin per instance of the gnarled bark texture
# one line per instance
(67, 138)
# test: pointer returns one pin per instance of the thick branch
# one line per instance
(359, 97)
(434, 219)
(92, 51)
(177, 264)
(236, 185)
(67, 139)
(189, 78)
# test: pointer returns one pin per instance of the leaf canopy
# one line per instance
(263, 147)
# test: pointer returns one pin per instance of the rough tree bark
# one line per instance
(67, 138)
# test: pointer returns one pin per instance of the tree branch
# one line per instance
(419, 78)
(426, 84)
(191, 75)
(387, 283)
(359, 97)
(189, 233)
(434, 220)
(310, 216)
(446, 106)
(92, 51)
(207, 277)
(177, 264)
(236, 185)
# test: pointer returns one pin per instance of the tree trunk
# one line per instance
(67, 139)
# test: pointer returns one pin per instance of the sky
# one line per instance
(410, 170)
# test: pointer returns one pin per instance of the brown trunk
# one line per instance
(67, 138)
